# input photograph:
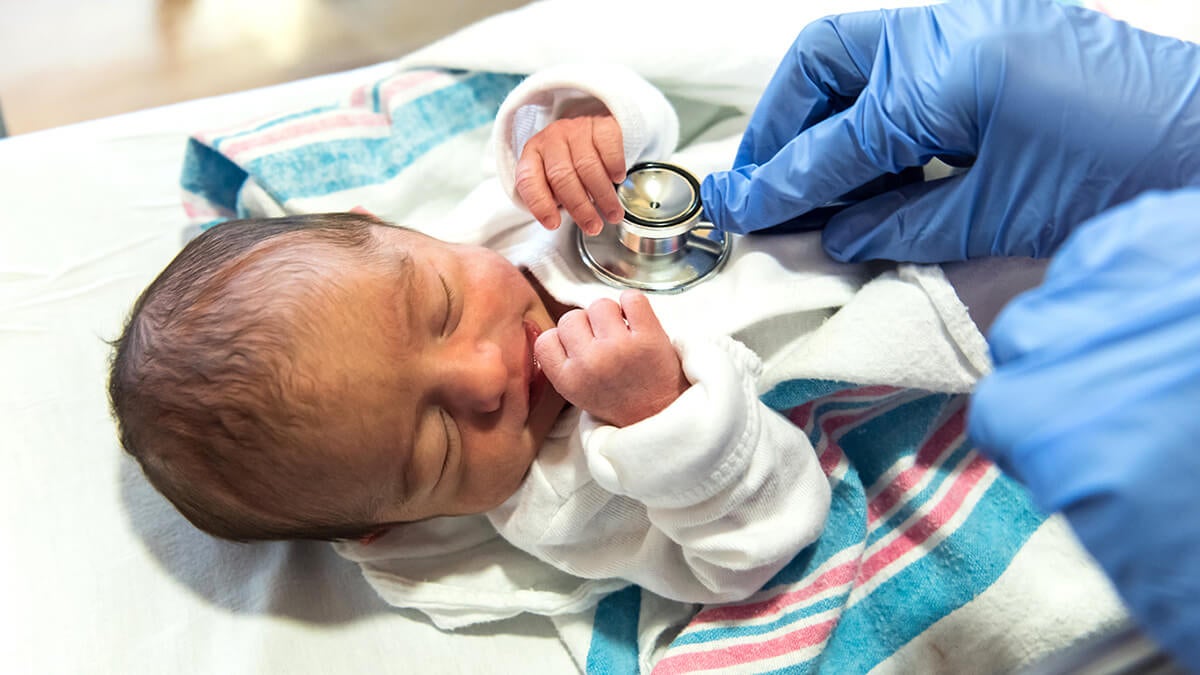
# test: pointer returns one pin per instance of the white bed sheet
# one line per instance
(99, 575)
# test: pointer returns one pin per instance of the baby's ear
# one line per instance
(366, 539)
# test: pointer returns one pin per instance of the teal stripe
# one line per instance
(614, 646)
(875, 445)
(211, 175)
(792, 393)
(846, 527)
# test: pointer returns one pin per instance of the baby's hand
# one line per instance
(613, 361)
(573, 163)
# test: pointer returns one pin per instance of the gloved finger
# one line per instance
(569, 191)
(606, 319)
(822, 73)
(533, 189)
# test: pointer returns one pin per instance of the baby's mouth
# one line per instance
(534, 377)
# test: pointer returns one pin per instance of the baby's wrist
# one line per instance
(634, 409)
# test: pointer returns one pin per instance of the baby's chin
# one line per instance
(546, 415)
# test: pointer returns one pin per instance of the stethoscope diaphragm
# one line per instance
(661, 245)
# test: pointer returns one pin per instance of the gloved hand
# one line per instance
(1061, 112)
(1095, 404)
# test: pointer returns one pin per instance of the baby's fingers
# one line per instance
(606, 320)
(640, 314)
(534, 190)
(575, 333)
(595, 173)
(610, 143)
(568, 189)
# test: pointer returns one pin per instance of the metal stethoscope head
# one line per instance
(660, 245)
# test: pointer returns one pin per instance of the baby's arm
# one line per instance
(613, 361)
(732, 489)
(703, 501)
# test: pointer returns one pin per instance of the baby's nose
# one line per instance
(478, 379)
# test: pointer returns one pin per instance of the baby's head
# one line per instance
(325, 376)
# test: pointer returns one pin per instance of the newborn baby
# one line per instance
(328, 376)
(332, 376)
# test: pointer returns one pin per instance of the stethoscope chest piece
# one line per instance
(661, 245)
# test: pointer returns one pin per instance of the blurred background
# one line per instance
(65, 61)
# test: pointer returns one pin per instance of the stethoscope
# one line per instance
(661, 244)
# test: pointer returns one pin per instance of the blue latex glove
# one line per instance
(1062, 111)
(1095, 404)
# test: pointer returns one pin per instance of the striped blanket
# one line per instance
(920, 525)
(407, 147)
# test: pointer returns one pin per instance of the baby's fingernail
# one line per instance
(615, 216)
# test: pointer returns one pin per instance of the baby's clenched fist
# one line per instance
(613, 361)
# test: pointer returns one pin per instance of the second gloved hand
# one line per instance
(1060, 111)
(1095, 403)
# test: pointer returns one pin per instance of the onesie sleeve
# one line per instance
(703, 502)
(649, 124)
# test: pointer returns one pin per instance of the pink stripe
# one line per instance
(927, 455)
(830, 458)
(837, 576)
(830, 425)
(876, 391)
(207, 137)
(201, 210)
(388, 87)
(408, 79)
(746, 653)
(303, 127)
(801, 415)
(925, 527)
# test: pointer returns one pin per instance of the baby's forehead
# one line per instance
(311, 252)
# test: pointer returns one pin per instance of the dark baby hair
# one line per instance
(200, 380)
